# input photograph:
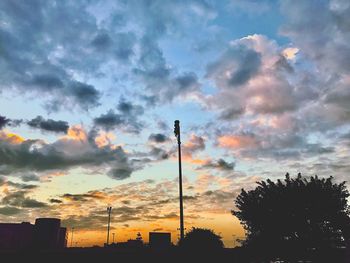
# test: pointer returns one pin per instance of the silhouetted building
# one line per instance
(62, 240)
(47, 233)
(16, 236)
(159, 240)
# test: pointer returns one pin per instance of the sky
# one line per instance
(89, 91)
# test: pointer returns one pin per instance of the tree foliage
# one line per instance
(201, 239)
(295, 213)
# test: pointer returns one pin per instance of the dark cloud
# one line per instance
(231, 113)
(63, 154)
(120, 173)
(86, 95)
(159, 153)
(9, 122)
(235, 67)
(49, 125)
(3, 121)
(109, 121)
(22, 186)
(219, 164)
(129, 109)
(83, 197)
(158, 138)
(102, 41)
(19, 199)
(30, 177)
(55, 201)
(29, 47)
(32, 203)
(9, 211)
(126, 120)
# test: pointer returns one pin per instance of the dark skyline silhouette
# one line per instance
(314, 212)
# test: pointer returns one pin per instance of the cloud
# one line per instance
(160, 80)
(30, 177)
(73, 150)
(86, 95)
(84, 197)
(158, 138)
(194, 144)
(8, 122)
(3, 121)
(39, 57)
(120, 173)
(219, 164)
(109, 121)
(331, 49)
(49, 125)
(237, 141)
(237, 65)
(55, 201)
(9, 211)
(126, 120)
(19, 199)
(251, 78)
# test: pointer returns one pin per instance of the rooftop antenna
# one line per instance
(177, 135)
(109, 210)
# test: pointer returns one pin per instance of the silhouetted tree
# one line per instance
(201, 239)
(295, 215)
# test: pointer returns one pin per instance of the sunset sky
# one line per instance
(89, 91)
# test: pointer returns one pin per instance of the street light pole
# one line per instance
(109, 209)
(178, 136)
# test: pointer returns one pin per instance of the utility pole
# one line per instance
(178, 136)
(71, 239)
(109, 210)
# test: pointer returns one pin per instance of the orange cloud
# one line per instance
(76, 132)
(11, 138)
(290, 53)
(237, 141)
(104, 139)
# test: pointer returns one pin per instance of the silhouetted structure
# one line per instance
(109, 210)
(295, 218)
(16, 236)
(159, 240)
(177, 133)
(45, 234)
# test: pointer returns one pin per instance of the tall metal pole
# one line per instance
(109, 209)
(71, 239)
(177, 134)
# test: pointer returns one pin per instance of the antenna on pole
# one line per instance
(109, 210)
(178, 136)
